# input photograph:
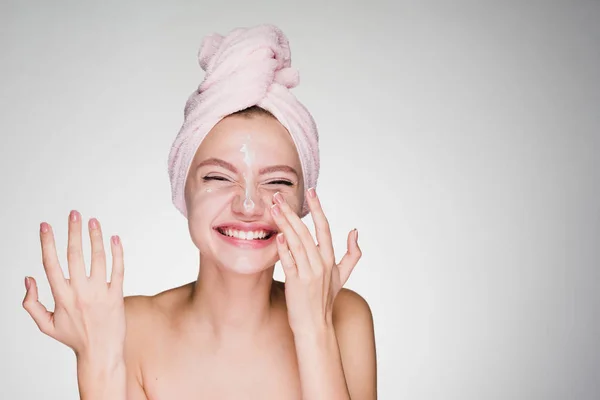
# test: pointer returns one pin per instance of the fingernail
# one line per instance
(280, 238)
(73, 216)
(93, 223)
(312, 193)
(115, 240)
(278, 198)
(275, 210)
(43, 227)
(27, 283)
(356, 235)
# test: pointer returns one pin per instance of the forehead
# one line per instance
(264, 135)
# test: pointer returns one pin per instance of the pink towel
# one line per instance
(249, 66)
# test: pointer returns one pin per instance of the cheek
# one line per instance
(292, 196)
(208, 201)
(204, 205)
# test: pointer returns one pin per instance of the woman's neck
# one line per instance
(232, 304)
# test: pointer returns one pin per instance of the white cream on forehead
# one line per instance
(246, 149)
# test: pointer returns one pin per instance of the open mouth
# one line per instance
(258, 235)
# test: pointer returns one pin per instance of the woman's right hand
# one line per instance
(89, 313)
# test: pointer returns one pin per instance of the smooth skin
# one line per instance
(314, 340)
(89, 314)
(313, 281)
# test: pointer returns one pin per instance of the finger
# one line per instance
(98, 266)
(287, 261)
(42, 317)
(54, 272)
(351, 257)
(293, 242)
(322, 229)
(302, 232)
(74, 249)
(118, 266)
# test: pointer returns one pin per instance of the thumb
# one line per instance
(40, 315)
(348, 262)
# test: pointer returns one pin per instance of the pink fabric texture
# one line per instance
(247, 67)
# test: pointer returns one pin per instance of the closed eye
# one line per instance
(281, 182)
(215, 178)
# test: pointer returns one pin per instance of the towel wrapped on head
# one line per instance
(248, 67)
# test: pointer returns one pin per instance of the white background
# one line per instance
(461, 139)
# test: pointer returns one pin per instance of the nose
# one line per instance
(248, 204)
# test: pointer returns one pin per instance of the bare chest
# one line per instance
(234, 373)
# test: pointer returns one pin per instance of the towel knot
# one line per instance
(249, 59)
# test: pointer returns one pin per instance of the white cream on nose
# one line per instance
(246, 150)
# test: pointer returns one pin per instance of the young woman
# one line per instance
(243, 170)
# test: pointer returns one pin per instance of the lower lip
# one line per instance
(246, 244)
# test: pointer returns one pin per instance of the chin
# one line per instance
(243, 248)
(245, 265)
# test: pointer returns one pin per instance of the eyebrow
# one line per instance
(266, 170)
(219, 163)
(278, 168)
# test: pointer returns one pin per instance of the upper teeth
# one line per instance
(245, 235)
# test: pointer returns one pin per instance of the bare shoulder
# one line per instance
(138, 309)
(141, 311)
(349, 309)
(137, 306)
(354, 329)
(148, 316)
(140, 317)
(147, 319)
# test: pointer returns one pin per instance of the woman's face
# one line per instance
(229, 191)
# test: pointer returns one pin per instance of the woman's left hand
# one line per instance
(313, 279)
